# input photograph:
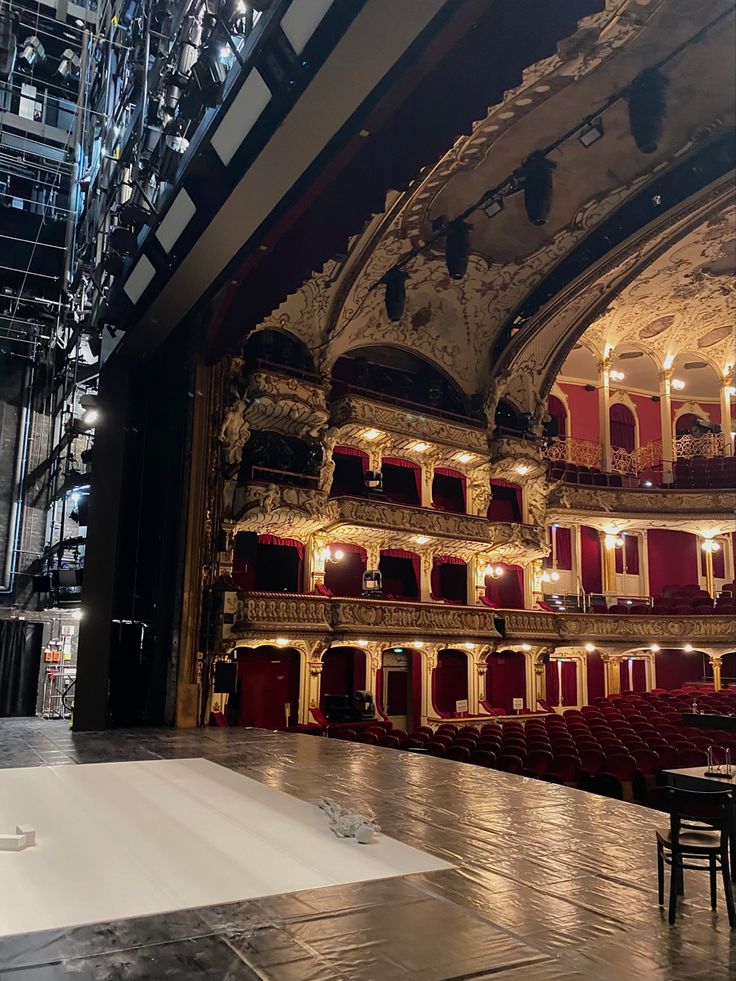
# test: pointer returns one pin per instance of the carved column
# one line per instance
(665, 416)
(425, 577)
(706, 548)
(608, 560)
(429, 664)
(479, 491)
(528, 573)
(373, 555)
(611, 665)
(726, 399)
(426, 484)
(314, 563)
(311, 689)
(604, 416)
(373, 659)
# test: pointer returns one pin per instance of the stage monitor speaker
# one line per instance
(226, 677)
(246, 543)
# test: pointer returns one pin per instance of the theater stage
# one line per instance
(544, 883)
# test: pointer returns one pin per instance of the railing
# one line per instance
(269, 475)
(709, 445)
(586, 453)
(633, 462)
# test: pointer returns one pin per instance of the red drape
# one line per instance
(345, 578)
(399, 493)
(623, 675)
(623, 427)
(596, 676)
(397, 582)
(447, 580)
(590, 549)
(552, 678)
(352, 451)
(450, 681)
(673, 559)
(719, 564)
(506, 501)
(563, 548)
(638, 675)
(557, 411)
(415, 709)
(449, 490)
(569, 673)
(505, 679)
(507, 592)
(285, 542)
(674, 667)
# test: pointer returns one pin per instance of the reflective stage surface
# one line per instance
(549, 884)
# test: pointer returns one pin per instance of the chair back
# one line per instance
(692, 810)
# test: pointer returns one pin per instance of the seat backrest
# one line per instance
(692, 808)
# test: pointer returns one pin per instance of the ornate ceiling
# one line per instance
(679, 311)
(456, 322)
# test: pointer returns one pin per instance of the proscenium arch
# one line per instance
(529, 365)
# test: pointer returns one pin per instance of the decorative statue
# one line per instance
(234, 431)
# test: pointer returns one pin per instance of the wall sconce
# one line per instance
(710, 545)
(613, 541)
(494, 571)
(550, 575)
(327, 555)
(678, 384)
(617, 376)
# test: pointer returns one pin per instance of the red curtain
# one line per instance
(623, 427)
(563, 548)
(552, 678)
(557, 411)
(674, 668)
(415, 709)
(285, 542)
(345, 578)
(278, 565)
(569, 673)
(507, 592)
(395, 487)
(350, 467)
(590, 549)
(450, 681)
(623, 675)
(505, 679)
(449, 490)
(719, 564)
(400, 579)
(596, 676)
(352, 451)
(506, 501)
(673, 559)
(449, 579)
(639, 675)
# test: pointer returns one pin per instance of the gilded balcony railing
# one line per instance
(708, 445)
(579, 452)
(635, 461)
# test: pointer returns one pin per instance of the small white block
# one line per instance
(28, 833)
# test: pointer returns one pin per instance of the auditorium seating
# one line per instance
(702, 472)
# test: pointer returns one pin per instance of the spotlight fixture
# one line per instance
(647, 109)
(678, 384)
(493, 207)
(591, 133)
(90, 417)
(536, 174)
(69, 64)
(33, 52)
(395, 298)
(457, 248)
(122, 241)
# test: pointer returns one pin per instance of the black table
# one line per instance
(694, 778)
(710, 721)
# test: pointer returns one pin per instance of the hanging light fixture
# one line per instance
(457, 248)
(395, 297)
(647, 108)
(538, 186)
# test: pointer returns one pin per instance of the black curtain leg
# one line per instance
(674, 877)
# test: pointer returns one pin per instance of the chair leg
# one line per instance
(713, 882)
(660, 874)
(674, 881)
(727, 887)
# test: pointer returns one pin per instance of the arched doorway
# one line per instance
(450, 683)
(505, 680)
(268, 687)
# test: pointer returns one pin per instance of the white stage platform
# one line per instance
(117, 840)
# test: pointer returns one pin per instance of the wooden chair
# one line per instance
(697, 839)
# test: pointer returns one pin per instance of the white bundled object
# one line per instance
(357, 821)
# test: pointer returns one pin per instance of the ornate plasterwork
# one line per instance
(636, 508)
(279, 509)
(276, 613)
(285, 404)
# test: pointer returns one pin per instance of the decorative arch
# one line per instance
(625, 400)
(279, 346)
(689, 409)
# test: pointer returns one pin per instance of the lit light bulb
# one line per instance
(654, 648)
(617, 376)
(523, 469)
(282, 642)
(464, 457)
(526, 647)
(339, 554)
(362, 643)
(590, 647)
(688, 648)
(420, 447)
(371, 434)
(420, 539)
(678, 384)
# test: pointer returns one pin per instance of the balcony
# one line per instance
(275, 614)
(676, 506)
(290, 403)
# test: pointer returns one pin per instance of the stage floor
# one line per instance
(545, 883)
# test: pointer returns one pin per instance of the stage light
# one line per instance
(338, 556)
(205, 86)
(90, 417)
(136, 212)
(395, 297)
(591, 133)
(457, 248)
(33, 52)
(590, 647)
(678, 384)
(647, 109)
(647, 483)
(122, 241)
(538, 186)
(494, 206)
(688, 648)
(69, 64)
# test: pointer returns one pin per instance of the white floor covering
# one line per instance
(117, 840)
